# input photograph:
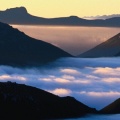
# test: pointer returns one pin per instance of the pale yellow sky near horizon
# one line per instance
(61, 8)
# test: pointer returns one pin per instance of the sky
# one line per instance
(61, 8)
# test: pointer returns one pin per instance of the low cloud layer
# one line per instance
(94, 81)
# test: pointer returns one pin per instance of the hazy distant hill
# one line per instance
(102, 17)
(113, 108)
(21, 102)
(20, 15)
(16, 48)
(108, 48)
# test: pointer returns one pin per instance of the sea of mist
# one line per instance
(93, 81)
(74, 40)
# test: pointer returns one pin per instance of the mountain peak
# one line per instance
(17, 10)
(74, 17)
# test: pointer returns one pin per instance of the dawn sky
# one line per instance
(61, 8)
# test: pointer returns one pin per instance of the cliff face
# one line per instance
(24, 102)
(16, 48)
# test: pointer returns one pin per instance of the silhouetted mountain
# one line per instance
(118, 54)
(20, 15)
(108, 48)
(22, 102)
(113, 108)
(16, 48)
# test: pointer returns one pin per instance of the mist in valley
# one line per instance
(87, 79)
(74, 40)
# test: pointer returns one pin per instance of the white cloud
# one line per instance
(8, 77)
(70, 71)
(101, 94)
(4, 77)
(111, 80)
(68, 77)
(107, 71)
(92, 77)
(61, 80)
(61, 92)
(82, 81)
(45, 79)
(83, 78)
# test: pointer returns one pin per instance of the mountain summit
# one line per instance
(18, 15)
(16, 10)
(109, 48)
(16, 48)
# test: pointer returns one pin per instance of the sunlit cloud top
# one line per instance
(88, 80)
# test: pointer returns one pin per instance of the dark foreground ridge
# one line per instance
(19, 15)
(113, 108)
(18, 101)
(18, 49)
(109, 48)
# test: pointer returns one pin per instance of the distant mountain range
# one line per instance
(21, 102)
(109, 48)
(20, 15)
(16, 48)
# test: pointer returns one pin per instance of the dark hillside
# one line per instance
(24, 102)
(16, 48)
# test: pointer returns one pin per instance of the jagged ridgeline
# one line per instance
(16, 48)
